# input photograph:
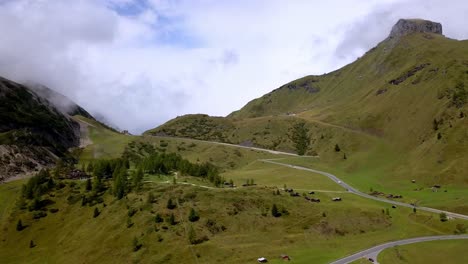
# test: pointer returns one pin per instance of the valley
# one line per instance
(364, 164)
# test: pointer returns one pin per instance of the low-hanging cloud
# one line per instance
(138, 63)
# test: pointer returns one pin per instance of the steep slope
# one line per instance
(33, 132)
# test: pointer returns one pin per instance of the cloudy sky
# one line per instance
(139, 63)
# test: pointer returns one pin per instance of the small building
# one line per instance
(311, 192)
(336, 199)
(262, 260)
(413, 181)
(315, 200)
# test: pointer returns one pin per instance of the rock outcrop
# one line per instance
(408, 26)
(33, 132)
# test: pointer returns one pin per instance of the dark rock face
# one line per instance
(33, 131)
(408, 26)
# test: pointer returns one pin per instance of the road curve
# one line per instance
(365, 195)
(374, 251)
(237, 146)
(331, 176)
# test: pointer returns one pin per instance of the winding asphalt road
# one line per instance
(373, 252)
(332, 177)
(365, 195)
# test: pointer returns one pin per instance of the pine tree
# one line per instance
(435, 125)
(138, 179)
(158, 218)
(120, 182)
(193, 216)
(170, 204)
(344, 156)
(89, 185)
(90, 168)
(171, 220)
(443, 217)
(19, 225)
(274, 211)
(136, 245)
(192, 237)
(337, 148)
(96, 212)
(31, 244)
(300, 137)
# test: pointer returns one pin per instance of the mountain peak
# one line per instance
(408, 26)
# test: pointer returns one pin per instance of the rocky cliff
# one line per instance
(408, 26)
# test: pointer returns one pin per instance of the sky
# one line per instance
(139, 63)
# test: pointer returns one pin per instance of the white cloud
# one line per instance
(141, 62)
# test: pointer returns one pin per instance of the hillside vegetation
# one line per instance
(394, 115)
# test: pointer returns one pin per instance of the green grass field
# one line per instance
(309, 233)
(105, 143)
(266, 174)
(455, 199)
(433, 252)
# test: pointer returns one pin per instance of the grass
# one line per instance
(105, 143)
(452, 251)
(250, 231)
(455, 199)
(271, 175)
(386, 131)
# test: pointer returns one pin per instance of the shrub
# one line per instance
(31, 244)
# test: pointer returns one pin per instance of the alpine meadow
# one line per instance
(364, 164)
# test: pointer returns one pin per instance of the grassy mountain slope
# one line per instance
(398, 113)
(33, 132)
(236, 224)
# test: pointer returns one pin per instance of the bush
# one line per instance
(53, 210)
